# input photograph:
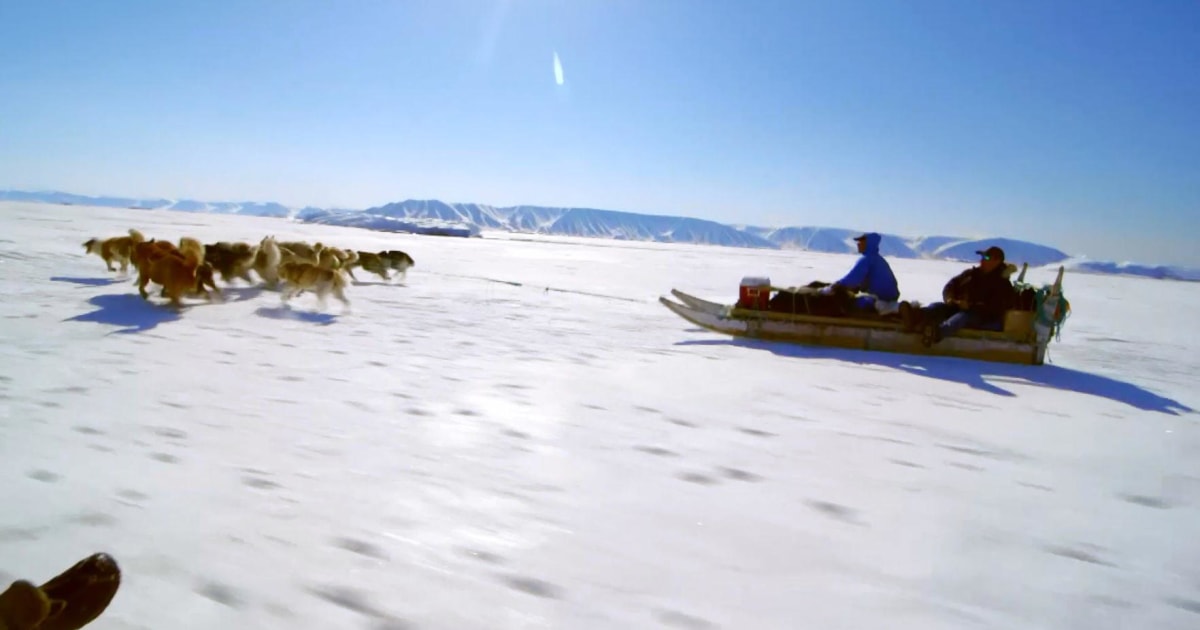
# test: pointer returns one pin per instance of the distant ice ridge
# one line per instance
(431, 216)
(384, 223)
(1162, 272)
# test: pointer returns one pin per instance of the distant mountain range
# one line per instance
(470, 219)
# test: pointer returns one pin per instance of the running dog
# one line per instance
(301, 276)
(178, 271)
(380, 263)
(117, 248)
(231, 260)
(299, 251)
(266, 261)
(334, 258)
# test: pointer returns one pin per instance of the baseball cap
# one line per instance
(991, 253)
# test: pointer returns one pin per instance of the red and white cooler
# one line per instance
(754, 293)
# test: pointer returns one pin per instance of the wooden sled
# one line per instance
(1024, 340)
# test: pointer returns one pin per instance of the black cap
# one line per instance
(991, 253)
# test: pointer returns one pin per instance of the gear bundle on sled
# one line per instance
(799, 316)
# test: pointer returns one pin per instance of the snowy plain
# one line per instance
(519, 436)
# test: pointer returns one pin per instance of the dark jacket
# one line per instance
(988, 294)
(872, 274)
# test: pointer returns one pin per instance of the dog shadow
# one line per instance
(286, 313)
(241, 294)
(973, 373)
(384, 283)
(88, 282)
(128, 311)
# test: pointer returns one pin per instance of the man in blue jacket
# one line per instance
(871, 275)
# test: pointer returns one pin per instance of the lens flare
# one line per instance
(558, 71)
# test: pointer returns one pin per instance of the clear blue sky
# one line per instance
(1075, 124)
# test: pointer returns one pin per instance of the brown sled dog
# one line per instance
(179, 271)
(146, 254)
(150, 250)
(204, 269)
(302, 276)
(117, 248)
(231, 260)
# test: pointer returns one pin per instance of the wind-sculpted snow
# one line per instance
(520, 436)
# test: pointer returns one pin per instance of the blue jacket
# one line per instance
(872, 274)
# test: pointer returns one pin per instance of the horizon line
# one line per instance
(907, 239)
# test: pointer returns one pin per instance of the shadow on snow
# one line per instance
(972, 373)
(283, 312)
(127, 310)
(88, 282)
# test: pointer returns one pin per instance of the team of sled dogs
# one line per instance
(189, 268)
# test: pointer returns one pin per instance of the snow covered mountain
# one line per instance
(431, 216)
(836, 241)
(1162, 272)
(479, 215)
(529, 218)
(928, 245)
(646, 227)
(248, 208)
(385, 223)
(1014, 251)
(81, 200)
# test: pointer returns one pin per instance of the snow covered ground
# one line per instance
(521, 437)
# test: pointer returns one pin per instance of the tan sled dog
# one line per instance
(266, 261)
(118, 248)
(299, 251)
(302, 276)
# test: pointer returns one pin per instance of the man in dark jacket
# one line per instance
(976, 298)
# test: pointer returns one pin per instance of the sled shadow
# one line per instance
(88, 282)
(283, 312)
(128, 311)
(972, 373)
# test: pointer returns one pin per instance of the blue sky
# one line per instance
(1075, 124)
